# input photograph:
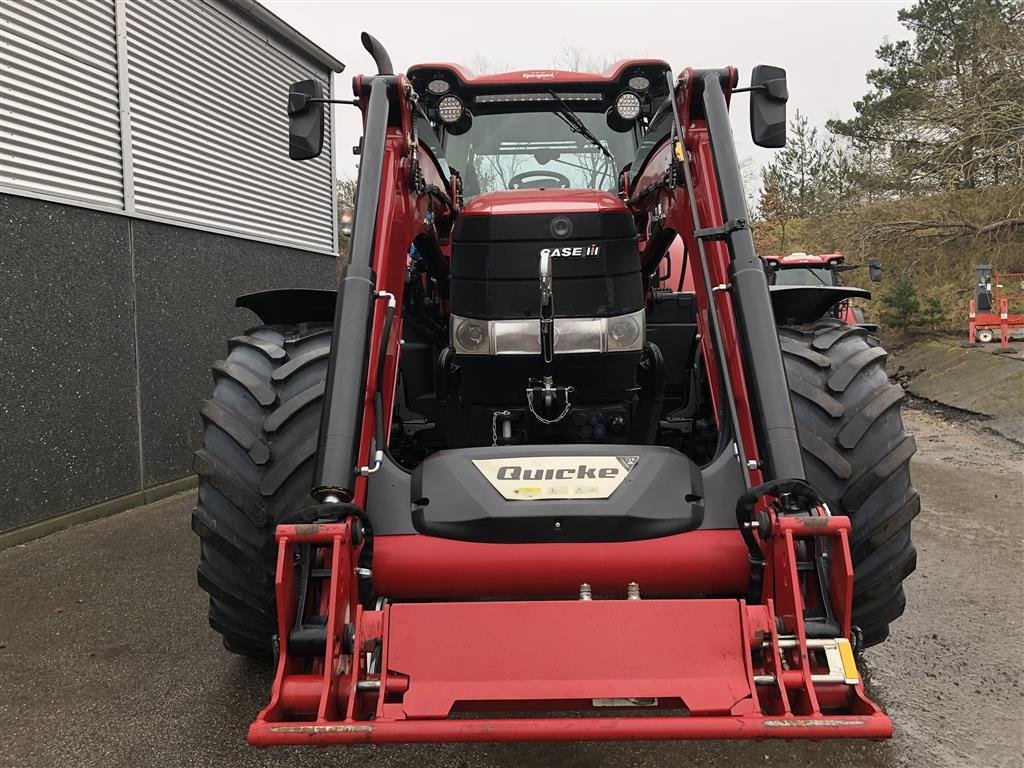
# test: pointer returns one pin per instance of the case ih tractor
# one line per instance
(805, 287)
(503, 484)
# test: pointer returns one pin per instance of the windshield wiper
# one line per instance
(576, 125)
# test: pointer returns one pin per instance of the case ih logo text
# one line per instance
(569, 252)
(583, 472)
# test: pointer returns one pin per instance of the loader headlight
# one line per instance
(439, 86)
(470, 336)
(627, 105)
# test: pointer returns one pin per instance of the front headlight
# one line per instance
(625, 333)
(573, 335)
(470, 336)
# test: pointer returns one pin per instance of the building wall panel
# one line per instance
(60, 131)
(210, 131)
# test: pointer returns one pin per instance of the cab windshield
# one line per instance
(533, 150)
(804, 276)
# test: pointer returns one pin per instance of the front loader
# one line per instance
(505, 484)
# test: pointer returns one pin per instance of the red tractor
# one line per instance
(503, 484)
(805, 287)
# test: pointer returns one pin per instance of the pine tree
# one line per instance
(947, 107)
(900, 305)
(933, 314)
(811, 176)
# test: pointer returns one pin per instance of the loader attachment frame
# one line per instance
(765, 650)
(468, 671)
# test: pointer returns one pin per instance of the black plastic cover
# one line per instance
(807, 303)
(495, 261)
(661, 495)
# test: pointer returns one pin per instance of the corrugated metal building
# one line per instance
(144, 182)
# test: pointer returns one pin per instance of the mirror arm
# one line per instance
(749, 88)
(298, 103)
(354, 102)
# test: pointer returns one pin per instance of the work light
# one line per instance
(627, 105)
(450, 109)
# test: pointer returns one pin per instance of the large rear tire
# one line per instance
(255, 466)
(857, 455)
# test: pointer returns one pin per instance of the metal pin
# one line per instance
(632, 591)
(585, 593)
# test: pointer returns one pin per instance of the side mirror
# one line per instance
(768, 97)
(305, 120)
(874, 270)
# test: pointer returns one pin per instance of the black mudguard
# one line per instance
(288, 306)
(799, 304)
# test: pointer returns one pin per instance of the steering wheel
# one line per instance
(539, 180)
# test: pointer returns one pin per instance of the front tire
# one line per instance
(255, 466)
(857, 455)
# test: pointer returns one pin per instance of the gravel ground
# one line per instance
(106, 659)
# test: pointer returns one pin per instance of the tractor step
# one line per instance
(709, 668)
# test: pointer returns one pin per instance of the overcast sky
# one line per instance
(826, 47)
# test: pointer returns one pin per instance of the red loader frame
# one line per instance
(436, 663)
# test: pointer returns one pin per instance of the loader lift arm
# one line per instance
(760, 667)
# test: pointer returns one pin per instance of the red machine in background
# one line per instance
(997, 309)
(807, 286)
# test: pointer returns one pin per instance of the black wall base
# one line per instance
(108, 328)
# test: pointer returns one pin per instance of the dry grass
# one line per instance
(935, 241)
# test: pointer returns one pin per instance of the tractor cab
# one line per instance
(538, 129)
(551, 333)
(804, 269)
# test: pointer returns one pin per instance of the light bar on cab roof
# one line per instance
(504, 98)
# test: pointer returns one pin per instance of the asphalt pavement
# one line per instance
(106, 658)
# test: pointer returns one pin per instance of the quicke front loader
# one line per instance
(505, 483)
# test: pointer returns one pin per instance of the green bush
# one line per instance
(932, 314)
(900, 305)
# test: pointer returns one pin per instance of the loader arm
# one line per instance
(369, 648)
(402, 197)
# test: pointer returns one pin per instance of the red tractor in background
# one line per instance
(507, 484)
(805, 287)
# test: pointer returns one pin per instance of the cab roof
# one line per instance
(806, 259)
(517, 78)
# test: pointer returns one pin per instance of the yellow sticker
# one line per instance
(849, 662)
